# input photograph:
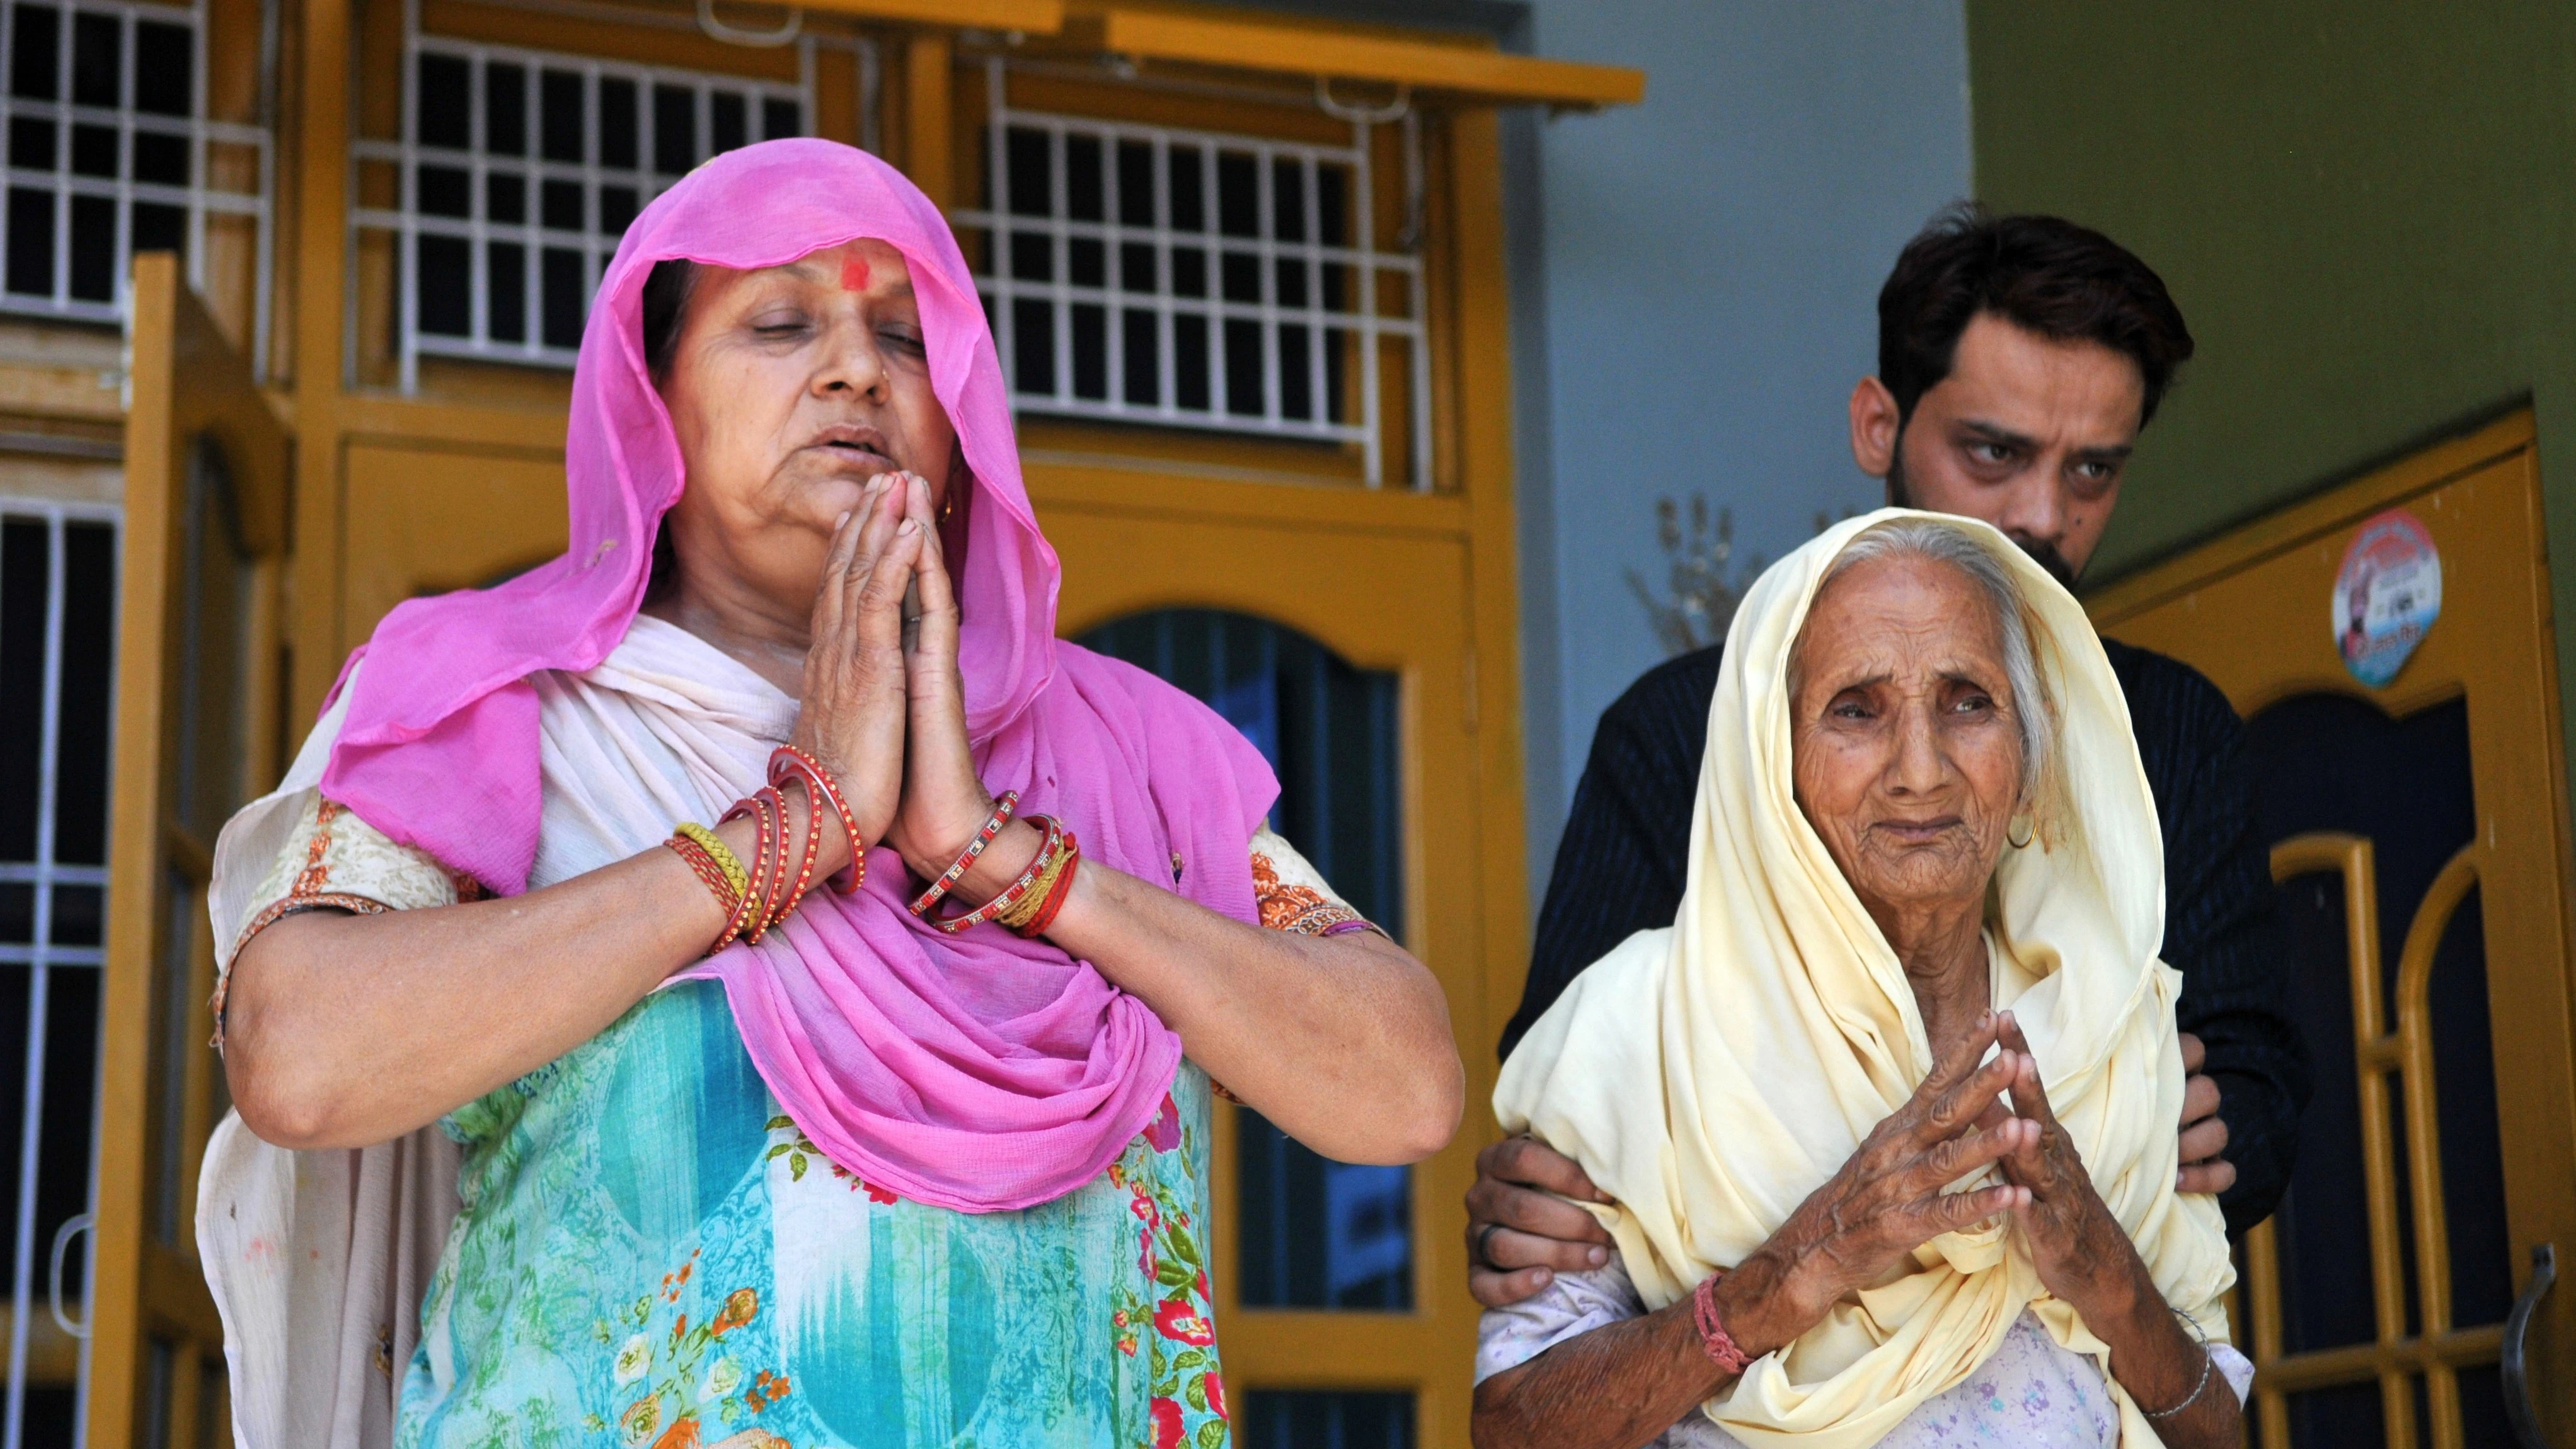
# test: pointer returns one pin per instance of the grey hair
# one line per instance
(2034, 706)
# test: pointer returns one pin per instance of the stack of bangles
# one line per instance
(1027, 905)
(758, 897)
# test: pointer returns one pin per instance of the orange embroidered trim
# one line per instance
(310, 892)
(1301, 909)
(270, 915)
(316, 874)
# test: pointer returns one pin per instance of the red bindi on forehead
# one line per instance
(854, 275)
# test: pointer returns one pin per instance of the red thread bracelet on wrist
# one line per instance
(1713, 1337)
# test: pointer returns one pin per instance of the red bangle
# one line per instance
(746, 911)
(966, 858)
(1721, 1345)
(1063, 887)
(787, 761)
(768, 863)
(1017, 890)
(813, 847)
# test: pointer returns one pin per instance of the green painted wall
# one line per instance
(2366, 208)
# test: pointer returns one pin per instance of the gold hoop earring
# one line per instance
(2020, 841)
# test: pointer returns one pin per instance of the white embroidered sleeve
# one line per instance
(1292, 893)
(332, 860)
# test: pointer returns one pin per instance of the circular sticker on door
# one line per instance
(2388, 592)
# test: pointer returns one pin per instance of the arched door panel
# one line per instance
(1342, 1304)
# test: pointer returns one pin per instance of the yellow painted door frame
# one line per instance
(205, 525)
(2251, 611)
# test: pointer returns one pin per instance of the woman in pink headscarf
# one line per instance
(743, 1163)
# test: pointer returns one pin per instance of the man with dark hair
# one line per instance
(2018, 359)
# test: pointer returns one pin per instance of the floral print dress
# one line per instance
(650, 1254)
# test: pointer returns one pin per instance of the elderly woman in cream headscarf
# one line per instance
(1887, 1117)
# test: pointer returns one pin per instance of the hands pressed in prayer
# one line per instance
(1891, 1197)
(1521, 1232)
(2087, 1259)
(1642, 1374)
(884, 704)
(2081, 1251)
(851, 711)
(1257, 1008)
(944, 801)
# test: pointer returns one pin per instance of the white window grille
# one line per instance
(520, 169)
(57, 607)
(110, 153)
(1199, 279)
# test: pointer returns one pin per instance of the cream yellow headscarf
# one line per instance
(1709, 1076)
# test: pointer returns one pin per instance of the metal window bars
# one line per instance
(110, 153)
(1200, 279)
(520, 170)
(57, 603)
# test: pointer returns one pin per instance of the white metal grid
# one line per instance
(39, 954)
(77, 141)
(558, 250)
(1306, 340)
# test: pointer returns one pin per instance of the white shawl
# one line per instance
(319, 1260)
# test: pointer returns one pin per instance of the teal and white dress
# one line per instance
(645, 1251)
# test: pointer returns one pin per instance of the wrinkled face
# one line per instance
(2029, 433)
(1904, 746)
(789, 388)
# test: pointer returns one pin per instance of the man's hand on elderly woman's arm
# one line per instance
(1521, 1231)
(2204, 1133)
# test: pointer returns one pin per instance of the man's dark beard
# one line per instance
(2041, 551)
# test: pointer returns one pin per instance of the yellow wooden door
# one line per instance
(196, 691)
(1384, 601)
(2393, 1171)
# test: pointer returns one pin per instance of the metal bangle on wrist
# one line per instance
(2208, 1369)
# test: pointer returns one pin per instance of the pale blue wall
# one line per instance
(1696, 285)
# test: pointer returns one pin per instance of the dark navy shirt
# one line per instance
(1621, 863)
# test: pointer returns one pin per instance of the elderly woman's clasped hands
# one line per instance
(1895, 1194)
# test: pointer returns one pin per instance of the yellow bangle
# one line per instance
(1026, 908)
(726, 861)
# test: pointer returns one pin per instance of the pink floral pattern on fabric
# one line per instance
(1172, 1322)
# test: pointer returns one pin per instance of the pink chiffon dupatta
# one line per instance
(978, 1072)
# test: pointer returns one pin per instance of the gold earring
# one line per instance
(2019, 832)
